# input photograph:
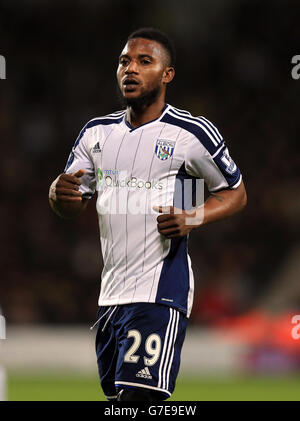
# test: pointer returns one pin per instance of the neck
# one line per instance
(137, 117)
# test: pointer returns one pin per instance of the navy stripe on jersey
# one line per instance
(71, 156)
(174, 285)
(211, 130)
(95, 122)
(175, 264)
(98, 121)
(193, 127)
(200, 119)
(184, 194)
(229, 169)
(218, 152)
(201, 123)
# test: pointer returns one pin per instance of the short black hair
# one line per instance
(158, 36)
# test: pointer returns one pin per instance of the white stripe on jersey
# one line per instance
(182, 111)
(113, 116)
(237, 183)
(214, 140)
(214, 128)
(117, 113)
(168, 350)
(218, 150)
(126, 243)
(203, 120)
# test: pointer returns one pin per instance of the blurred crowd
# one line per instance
(233, 67)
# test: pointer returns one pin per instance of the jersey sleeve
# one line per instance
(79, 158)
(207, 157)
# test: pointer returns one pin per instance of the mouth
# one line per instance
(130, 84)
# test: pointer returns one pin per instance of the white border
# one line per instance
(238, 183)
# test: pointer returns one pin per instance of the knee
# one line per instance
(136, 394)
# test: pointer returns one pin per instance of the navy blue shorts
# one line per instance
(139, 345)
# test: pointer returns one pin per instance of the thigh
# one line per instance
(150, 340)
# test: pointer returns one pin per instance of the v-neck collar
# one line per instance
(148, 122)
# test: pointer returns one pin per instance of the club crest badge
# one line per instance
(230, 166)
(164, 149)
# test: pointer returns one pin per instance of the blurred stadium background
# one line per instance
(234, 67)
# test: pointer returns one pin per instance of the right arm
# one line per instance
(65, 199)
(70, 192)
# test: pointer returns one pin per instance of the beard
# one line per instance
(144, 100)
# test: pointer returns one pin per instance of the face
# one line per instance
(143, 70)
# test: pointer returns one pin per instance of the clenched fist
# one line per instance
(66, 187)
(174, 222)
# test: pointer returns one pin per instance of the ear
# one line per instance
(168, 74)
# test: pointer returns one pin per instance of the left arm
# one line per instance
(206, 157)
(224, 203)
(174, 223)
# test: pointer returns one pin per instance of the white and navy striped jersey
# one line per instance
(133, 169)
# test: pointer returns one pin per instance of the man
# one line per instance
(137, 159)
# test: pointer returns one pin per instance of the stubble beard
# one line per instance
(141, 102)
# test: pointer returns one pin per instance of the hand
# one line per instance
(173, 222)
(66, 187)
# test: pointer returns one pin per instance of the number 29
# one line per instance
(152, 348)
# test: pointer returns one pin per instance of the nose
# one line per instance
(132, 68)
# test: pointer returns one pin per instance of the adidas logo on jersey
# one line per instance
(145, 373)
(96, 148)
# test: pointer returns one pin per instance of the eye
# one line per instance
(146, 61)
(123, 62)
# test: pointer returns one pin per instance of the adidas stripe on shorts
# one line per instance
(139, 345)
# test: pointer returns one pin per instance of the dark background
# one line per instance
(233, 67)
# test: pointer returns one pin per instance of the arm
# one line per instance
(207, 157)
(65, 199)
(223, 204)
(173, 223)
